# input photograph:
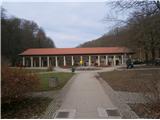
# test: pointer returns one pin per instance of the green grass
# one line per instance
(36, 70)
(62, 77)
(32, 70)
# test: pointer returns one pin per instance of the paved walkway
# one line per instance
(86, 97)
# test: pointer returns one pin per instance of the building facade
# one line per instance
(65, 57)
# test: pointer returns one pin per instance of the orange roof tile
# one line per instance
(76, 51)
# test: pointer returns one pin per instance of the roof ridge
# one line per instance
(74, 51)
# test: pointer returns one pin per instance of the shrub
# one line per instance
(15, 83)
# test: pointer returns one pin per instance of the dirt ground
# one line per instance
(131, 80)
(150, 111)
(140, 81)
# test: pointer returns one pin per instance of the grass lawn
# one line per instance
(31, 70)
(36, 70)
(131, 80)
(62, 77)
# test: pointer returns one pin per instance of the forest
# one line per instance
(18, 35)
(141, 31)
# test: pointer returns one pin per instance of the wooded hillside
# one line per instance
(140, 33)
(108, 40)
(18, 35)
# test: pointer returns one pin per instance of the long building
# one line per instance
(63, 57)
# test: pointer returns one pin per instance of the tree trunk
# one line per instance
(153, 54)
(159, 52)
(146, 57)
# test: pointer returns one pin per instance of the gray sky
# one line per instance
(67, 23)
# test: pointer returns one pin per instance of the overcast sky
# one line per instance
(67, 23)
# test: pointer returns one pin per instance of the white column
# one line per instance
(64, 58)
(89, 61)
(23, 62)
(122, 59)
(48, 61)
(31, 61)
(106, 59)
(42, 62)
(72, 61)
(114, 60)
(56, 61)
(39, 61)
(99, 60)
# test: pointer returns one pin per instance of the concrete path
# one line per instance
(86, 98)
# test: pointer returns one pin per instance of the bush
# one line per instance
(15, 83)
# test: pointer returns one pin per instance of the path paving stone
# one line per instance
(86, 95)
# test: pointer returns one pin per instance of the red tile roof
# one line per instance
(76, 51)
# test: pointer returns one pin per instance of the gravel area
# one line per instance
(132, 97)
